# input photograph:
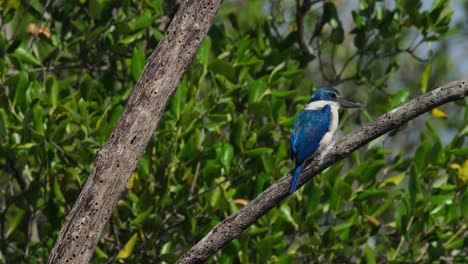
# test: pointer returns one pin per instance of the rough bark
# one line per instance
(117, 160)
(232, 226)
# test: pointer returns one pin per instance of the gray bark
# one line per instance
(117, 160)
(232, 226)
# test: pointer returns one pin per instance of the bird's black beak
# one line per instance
(348, 104)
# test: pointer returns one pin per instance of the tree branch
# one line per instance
(302, 7)
(117, 160)
(233, 226)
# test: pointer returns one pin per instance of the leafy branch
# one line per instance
(373, 40)
(118, 159)
(234, 225)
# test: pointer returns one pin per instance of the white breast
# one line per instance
(318, 105)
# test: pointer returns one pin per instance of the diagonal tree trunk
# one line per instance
(234, 225)
(117, 160)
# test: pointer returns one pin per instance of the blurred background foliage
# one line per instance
(68, 67)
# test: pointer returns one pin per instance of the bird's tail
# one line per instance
(295, 178)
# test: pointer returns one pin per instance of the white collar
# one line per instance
(317, 105)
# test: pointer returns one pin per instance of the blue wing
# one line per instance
(309, 128)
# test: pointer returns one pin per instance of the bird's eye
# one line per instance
(333, 95)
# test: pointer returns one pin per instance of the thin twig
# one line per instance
(302, 7)
(318, 29)
(332, 59)
(321, 65)
(197, 169)
(345, 65)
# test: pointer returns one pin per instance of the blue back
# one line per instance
(309, 128)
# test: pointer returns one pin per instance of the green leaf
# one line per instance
(460, 152)
(26, 57)
(132, 38)
(399, 98)
(395, 180)
(203, 55)
(425, 77)
(277, 69)
(58, 192)
(464, 204)
(286, 212)
(421, 156)
(21, 89)
(382, 209)
(138, 63)
(248, 62)
(459, 244)
(213, 126)
(369, 255)
(438, 202)
(259, 151)
(95, 8)
(358, 20)
(225, 69)
(227, 156)
(372, 170)
(256, 91)
(329, 11)
(360, 39)
(15, 221)
(157, 34)
(414, 183)
(4, 124)
(344, 226)
(101, 254)
(337, 35)
(116, 115)
(282, 94)
(128, 248)
(438, 3)
(26, 146)
(177, 100)
(341, 192)
(141, 217)
(371, 194)
(401, 216)
(285, 259)
(251, 141)
(166, 248)
(238, 132)
(38, 120)
(287, 122)
(343, 189)
(215, 197)
(52, 91)
(144, 165)
(142, 21)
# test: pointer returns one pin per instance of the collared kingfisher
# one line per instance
(314, 128)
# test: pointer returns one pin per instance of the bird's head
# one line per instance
(332, 95)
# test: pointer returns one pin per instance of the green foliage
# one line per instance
(68, 67)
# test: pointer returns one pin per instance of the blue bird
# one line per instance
(314, 128)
